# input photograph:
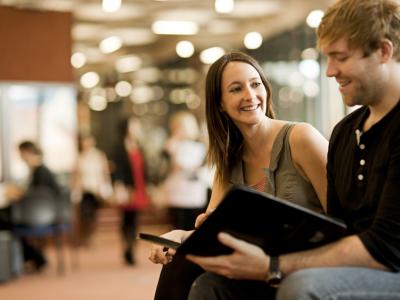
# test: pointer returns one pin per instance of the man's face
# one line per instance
(25, 156)
(359, 77)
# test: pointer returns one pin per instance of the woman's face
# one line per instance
(243, 94)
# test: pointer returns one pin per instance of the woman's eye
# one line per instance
(235, 89)
(256, 84)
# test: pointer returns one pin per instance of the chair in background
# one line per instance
(41, 215)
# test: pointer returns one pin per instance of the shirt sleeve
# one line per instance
(382, 239)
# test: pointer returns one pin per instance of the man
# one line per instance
(361, 39)
(40, 177)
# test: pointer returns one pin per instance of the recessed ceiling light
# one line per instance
(184, 49)
(210, 55)
(128, 64)
(175, 27)
(314, 18)
(110, 44)
(253, 40)
(111, 5)
(224, 6)
(78, 60)
(90, 79)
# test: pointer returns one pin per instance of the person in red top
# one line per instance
(129, 183)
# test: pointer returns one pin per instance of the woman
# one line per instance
(183, 191)
(91, 182)
(247, 145)
(129, 183)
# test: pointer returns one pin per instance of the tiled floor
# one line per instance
(101, 275)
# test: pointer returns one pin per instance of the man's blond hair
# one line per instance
(364, 22)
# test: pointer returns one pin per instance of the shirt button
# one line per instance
(362, 162)
(362, 146)
(360, 177)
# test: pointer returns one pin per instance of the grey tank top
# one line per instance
(282, 178)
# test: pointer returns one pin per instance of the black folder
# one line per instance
(276, 225)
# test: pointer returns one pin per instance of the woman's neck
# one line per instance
(258, 137)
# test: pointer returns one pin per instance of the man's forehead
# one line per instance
(337, 46)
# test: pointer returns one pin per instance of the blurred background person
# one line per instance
(183, 191)
(91, 185)
(39, 177)
(129, 183)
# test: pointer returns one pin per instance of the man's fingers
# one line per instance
(232, 242)
(205, 261)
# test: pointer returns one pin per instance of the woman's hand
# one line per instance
(201, 218)
(158, 255)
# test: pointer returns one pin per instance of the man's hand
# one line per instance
(246, 262)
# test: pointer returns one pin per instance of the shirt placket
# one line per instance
(361, 158)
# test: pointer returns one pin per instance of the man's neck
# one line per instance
(377, 112)
(388, 101)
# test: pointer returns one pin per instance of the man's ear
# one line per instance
(386, 50)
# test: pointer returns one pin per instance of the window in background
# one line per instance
(45, 114)
(58, 127)
(22, 117)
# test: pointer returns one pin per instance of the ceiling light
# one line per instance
(224, 6)
(142, 94)
(111, 5)
(110, 44)
(314, 18)
(309, 68)
(253, 40)
(175, 27)
(93, 12)
(309, 53)
(248, 9)
(123, 88)
(97, 103)
(311, 89)
(128, 64)
(90, 79)
(184, 49)
(150, 74)
(210, 55)
(78, 60)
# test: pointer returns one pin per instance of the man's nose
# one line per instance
(331, 69)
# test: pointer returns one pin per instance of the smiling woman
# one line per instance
(248, 146)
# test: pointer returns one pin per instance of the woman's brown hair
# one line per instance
(225, 139)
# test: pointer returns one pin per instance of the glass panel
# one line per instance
(22, 119)
(58, 127)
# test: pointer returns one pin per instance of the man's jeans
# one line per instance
(340, 283)
(309, 284)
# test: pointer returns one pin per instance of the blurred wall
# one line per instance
(35, 45)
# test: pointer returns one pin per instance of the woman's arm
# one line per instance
(219, 190)
(309, 152)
